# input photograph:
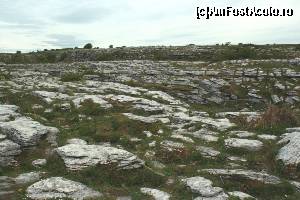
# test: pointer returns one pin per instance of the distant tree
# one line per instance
(111, 46)
(17, 58)
(75, 47)
(88, 46)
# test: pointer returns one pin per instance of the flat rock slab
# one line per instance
(241, 195)
(156, 194)
(148, 119)
(97, 99)
(290, 153)
(250, 115)
(250, 145)
(58, 187)
(140, 103)
(49, 97)
(8, 111)
(294, 129)
(183, 138)
(164, 96)
(80, 156)
(209, 138)
(76, 141)
(206, 135)
(220, 124)
(221, 196)
(172, 146)
(244, 174)
(242, 134)
(267, 137)
(112, 86)
(208, 152)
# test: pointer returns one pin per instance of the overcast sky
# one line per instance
(38, 24)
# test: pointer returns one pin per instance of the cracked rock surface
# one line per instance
(58, 187)
(80, 156)
(151, 129)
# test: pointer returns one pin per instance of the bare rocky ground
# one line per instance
(145, 129)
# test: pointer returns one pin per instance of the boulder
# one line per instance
(39, 162)
(28, 178)
(8, 150)
(58, 188)
(24, 131)
(80, 156)
(202, 186)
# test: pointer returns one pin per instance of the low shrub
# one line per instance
(88, 46)
(275, 119)
(88, 107)
(276, 116)
(69, 77)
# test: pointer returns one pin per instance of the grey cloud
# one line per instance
(20, 26)
(65, 41)
(17, 12)
(23, 29)
(84, 15)
(171, 37)
(30, 23)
